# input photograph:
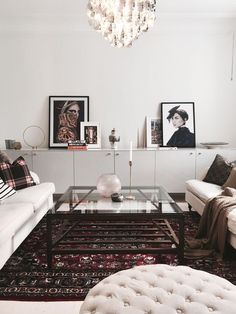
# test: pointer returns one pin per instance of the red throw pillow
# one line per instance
(17, 174)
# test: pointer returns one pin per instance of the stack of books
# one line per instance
(77, 145)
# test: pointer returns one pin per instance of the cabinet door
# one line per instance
(142, 167)
(56, 167)
(174, 168)
(89, 165)
(26, 154)
(205, 157)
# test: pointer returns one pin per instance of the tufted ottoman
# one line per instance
(161, 289)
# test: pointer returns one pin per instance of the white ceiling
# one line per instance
(70, 15)
(17, 8)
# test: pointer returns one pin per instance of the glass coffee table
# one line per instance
(84, 222)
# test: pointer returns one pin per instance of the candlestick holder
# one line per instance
(130, 196)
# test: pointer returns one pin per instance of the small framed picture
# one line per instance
(91, 133)
(153, 131)
(65, 115)
(178, 124)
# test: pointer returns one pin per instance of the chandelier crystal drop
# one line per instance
(121, 21)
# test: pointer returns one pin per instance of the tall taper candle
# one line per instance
(130, 151)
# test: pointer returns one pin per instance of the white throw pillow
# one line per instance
(35, 177)
(5, 190)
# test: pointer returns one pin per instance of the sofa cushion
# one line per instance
(12, 217)
(36, 195)
(5, 190)
(231, 181)
(219, 171)
(17, 174)
(35, 177)
(203, 190)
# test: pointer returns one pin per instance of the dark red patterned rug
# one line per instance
(25, 276)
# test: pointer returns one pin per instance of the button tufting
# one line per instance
(195, 291)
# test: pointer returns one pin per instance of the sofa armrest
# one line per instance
(35, 177)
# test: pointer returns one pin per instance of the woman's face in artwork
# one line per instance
(74, 109)
(177, 120)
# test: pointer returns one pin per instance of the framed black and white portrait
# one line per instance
(91, 133)
(65, 116)
(153, 132)
(178, 124)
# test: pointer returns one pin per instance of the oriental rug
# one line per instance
(25, 276)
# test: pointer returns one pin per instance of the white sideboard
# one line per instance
(169, 168)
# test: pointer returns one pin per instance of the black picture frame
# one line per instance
(65, 115)
(178, 124)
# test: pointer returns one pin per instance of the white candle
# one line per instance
(130, 151)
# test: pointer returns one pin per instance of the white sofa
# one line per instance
(20, 213)
(198, 192)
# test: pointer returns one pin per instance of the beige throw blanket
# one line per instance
(212, 231)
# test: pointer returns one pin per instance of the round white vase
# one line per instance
(108, 184)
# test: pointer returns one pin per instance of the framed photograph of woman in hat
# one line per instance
(178, 124)
(65, 116)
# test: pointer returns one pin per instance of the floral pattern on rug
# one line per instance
(26, 277)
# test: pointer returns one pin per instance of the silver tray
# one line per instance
(213, 144)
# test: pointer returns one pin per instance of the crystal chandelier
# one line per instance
(121, 21)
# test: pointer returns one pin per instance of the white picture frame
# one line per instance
(91, 133)
(173, 133)
(153, 132)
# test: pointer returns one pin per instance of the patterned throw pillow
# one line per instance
(17, 174)
(219, 171)
(5, 190)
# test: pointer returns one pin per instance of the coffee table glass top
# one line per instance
(86, 200)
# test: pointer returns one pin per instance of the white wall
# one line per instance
(181, 59)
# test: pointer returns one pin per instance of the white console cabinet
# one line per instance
(142, 172)
(169, 168)
(89, 165)
(54, 166)
(174, 168)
